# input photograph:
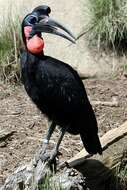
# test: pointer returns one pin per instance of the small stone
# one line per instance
(3, 161)
(3, 144)
(73, 173)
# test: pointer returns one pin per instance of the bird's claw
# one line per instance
(53, 157)
(44, 156)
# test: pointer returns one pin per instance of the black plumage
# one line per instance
(57, 90)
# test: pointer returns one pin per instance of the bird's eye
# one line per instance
(31, 19)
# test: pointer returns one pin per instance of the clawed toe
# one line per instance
(53, 156)
(44, 157)
(52, 159)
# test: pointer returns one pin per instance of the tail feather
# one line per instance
(91, 142)
(88, 130)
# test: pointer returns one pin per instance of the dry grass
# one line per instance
(11, 40)
(10, 43)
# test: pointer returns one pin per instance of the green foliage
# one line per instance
(125, 68)
(46, 185)
(122, 171)
(10, 43)
(108, 23)
(49, 185)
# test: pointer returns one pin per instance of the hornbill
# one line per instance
(54, 86)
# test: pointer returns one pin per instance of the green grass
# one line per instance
(119, 179)
(49, 185)
(122, 171)
(46, 185)
(10, 43)
(108, 23)
(124, 69)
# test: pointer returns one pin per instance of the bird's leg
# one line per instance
(42, 153)
(48, 136)
(55, 151)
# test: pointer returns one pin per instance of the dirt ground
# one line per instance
(20, 116)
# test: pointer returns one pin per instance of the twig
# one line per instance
(5, 134)
(101, 103)
(114, 103)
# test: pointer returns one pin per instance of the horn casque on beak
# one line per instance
(48, 25)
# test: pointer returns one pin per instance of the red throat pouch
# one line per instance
(35, 44)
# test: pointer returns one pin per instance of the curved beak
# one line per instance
(48, 25)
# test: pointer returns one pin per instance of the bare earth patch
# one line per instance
(27, 125)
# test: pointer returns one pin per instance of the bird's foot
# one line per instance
(50, 158)
(53, 160)
(53, 156)
(44, 156)
(47, 156)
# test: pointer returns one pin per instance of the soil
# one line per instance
(20, 116)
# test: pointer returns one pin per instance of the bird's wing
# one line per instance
(61, 86)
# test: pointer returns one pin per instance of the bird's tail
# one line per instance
(91, 142)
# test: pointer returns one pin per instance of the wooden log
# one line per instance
(107, 139)
(104, 172)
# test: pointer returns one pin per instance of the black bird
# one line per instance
(54, 86)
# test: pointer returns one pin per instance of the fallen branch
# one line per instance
(107, 139)
(113, 103)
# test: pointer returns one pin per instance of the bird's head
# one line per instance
(37, 22)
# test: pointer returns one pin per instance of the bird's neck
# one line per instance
(39, 55)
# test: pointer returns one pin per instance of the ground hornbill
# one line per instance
(54, 86)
